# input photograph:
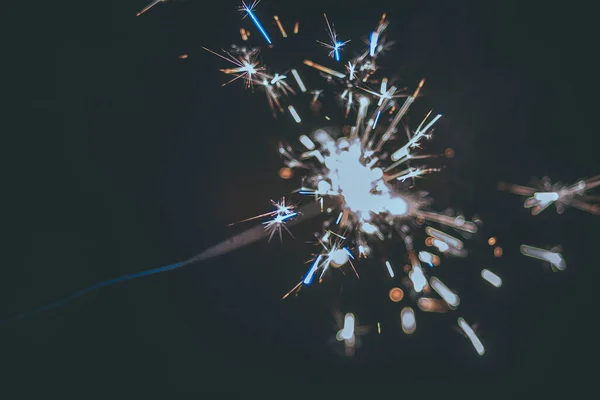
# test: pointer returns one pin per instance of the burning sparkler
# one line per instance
(366, 177)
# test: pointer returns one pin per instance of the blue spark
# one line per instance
(257, 23)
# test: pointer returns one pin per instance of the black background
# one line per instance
(129, 158)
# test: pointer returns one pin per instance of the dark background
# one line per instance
(129, 158)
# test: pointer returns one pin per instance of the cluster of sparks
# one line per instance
(365, 182)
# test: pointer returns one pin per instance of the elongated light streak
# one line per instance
(389, 268)
(299, 80)
(472, 336)
(545, 255)
(491, 277)
(373, 43)
(311, 272)
(326, 70)
(309, 144)
(294, 114)
(444, 237)
(283, 32)
(257, 23)
(449, 297)
(149, 6)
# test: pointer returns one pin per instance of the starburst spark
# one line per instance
(562, 196)
(334, 43)
(246, 64)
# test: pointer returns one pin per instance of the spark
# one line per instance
(432, 305)
(323, 69)
(249, 10)
(277, 223)
(299, 80)
(347, 332)
(491, 277)
(246, 65)
(449, 297)
(408, 320)
(552, 257)
(562, 196)
(389, 268)
(309, 144)
(149, 6)
(283, 32)
(472, 336)
(335, 45)
(294, 114)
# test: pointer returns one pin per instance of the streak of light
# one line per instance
(472, 336)
(449, 297)
(491, 277)
(296, 27)
(299, 80)
(552, 257)
(453, 222)
(389, 268)
(283, 32)
(294, 114)
(311, 272)
(149, 6)
(323, 69)
(249, 11)
(444, 237)
(309, 144)
(432, 305)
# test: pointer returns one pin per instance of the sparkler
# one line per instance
(364, 183)
(367, 182)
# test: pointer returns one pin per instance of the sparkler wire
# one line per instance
(235, 242)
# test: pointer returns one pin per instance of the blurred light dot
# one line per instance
(183, 56)
(396, 294)
(492, 241)
(286, 173)
(449, 153)
(498, 251)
